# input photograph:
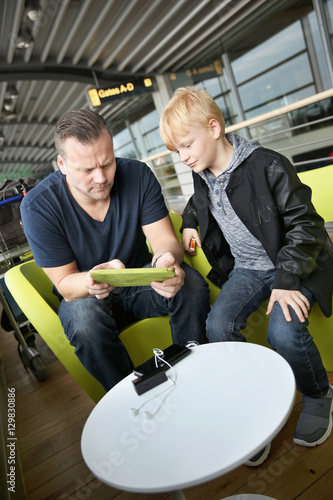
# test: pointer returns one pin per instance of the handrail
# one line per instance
(282, 111)
(261, 118)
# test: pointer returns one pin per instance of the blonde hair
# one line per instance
(187, 108)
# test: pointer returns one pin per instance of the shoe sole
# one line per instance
(323, 438)
(261, 459)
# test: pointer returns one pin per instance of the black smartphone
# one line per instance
(171, 355)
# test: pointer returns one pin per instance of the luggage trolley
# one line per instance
(14, 249)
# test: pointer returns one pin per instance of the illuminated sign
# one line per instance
(123, 90)
(195, 75)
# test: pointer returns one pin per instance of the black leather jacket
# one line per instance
(276, 208)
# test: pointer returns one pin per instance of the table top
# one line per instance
(226, 401)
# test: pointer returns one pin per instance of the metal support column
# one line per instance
(324, 34)
(234, 90)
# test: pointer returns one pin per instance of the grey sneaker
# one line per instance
(315, 422)
(259, 458)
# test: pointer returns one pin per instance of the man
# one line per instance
(97, 212)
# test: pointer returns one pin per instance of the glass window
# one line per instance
(122, 138)
(219, 89)
(280, 47)
(226, 106)
(138, 136)
(123, 145)
(153, 141)
(127, 151)
(282, 101)
(268, 89)
(146, 133)
(149, 121)
(215, 86)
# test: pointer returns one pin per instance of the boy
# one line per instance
(263, 239)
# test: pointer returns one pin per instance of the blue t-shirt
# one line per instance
(59, 231)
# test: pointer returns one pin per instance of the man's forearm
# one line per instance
(73, 286)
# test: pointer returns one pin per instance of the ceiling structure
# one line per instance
(53, 51)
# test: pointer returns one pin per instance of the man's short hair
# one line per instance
(188, 107)
(84, 125)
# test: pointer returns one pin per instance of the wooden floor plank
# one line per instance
(318, 489)
(52, 466)
(55, 443)
(71, 406)
(71, 481)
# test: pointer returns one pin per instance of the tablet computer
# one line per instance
(132, 277)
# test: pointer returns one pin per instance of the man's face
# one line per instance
(197, 148)
(89, 168)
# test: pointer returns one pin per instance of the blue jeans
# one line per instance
(93, 325)
(243, 293)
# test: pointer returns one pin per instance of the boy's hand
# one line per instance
(102, 290)
(171, 286)
(292, 298)
(187, 237)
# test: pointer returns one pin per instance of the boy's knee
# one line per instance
(281, 339)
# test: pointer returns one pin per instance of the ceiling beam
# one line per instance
(61, 72)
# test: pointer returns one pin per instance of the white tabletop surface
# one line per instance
(228, 401)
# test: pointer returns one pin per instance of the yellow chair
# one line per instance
(141, 337)
(198, 261)
(177, 222)
(32, 290)
(320, 181)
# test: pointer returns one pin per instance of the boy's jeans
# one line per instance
(243, 294)
(93, 325)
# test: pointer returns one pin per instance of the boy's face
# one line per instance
(198, 148)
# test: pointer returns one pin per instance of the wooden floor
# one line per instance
(50, 416)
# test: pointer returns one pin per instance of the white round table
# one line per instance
(228, 401)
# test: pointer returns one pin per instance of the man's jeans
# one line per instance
(244, 293)
(93, 325)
